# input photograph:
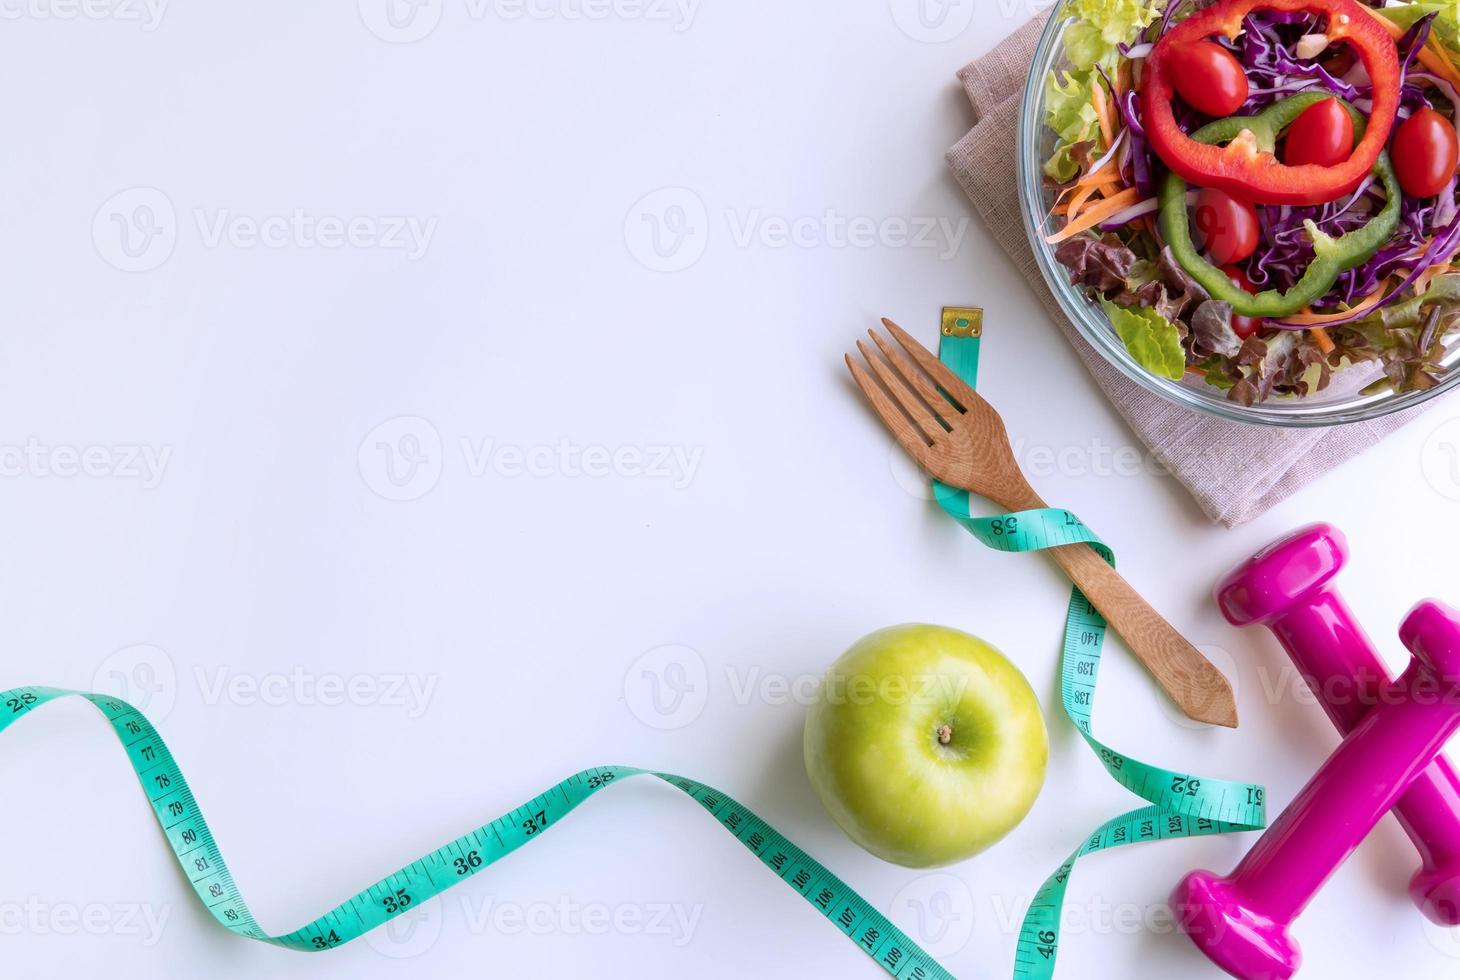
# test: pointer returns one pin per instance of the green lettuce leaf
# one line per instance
(1446, 27)
(1071, 114)
(1151, 339)
(1099, 25)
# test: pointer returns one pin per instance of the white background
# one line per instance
(543, 152)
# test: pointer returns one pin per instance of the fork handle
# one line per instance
(1198, 688)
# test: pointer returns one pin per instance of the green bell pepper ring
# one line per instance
(1332, 256)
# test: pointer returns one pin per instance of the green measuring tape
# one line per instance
(197, 852)
(1182, 805)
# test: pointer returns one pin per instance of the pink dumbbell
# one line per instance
(1242, 921)
(1287, 587)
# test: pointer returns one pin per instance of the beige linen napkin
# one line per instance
(1236, 471)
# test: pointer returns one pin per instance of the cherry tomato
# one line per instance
(1243, 326)
(1208, 77)
(1224, 226)
(1323, 134)
(1424, 152)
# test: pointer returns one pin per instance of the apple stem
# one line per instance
(945, 734)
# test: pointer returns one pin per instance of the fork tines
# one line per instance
(918, 401)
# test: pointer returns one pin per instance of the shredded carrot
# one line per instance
(1423, 280)
(1321, 338)
(1096, 214)
(1123, 78)
(1102, 112)
(1078, 201)
(1308, 317)
(1099, 176)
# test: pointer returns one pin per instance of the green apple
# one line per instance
(926, 744)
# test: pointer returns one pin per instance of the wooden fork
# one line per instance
(958, 437)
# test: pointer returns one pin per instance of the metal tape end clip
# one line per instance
(962, 321)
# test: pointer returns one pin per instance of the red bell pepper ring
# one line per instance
(1240, 168)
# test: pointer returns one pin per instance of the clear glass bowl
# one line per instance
(1341, 402)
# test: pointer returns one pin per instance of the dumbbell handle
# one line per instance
(1341, 666)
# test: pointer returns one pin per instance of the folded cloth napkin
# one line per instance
(1234, 470)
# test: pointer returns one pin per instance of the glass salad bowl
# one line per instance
(1345, 400)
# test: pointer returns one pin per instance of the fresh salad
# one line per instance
(1261, 192)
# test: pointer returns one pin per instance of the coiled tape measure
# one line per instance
(1182, 805)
